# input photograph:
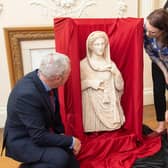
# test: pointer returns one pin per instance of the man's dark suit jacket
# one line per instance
(29, 119)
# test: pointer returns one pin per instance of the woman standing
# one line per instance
(156, 46)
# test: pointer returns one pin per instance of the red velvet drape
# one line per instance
(121, 147)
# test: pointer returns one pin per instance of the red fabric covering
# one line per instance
(120, 148)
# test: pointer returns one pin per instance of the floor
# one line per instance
(149, 116)
(149, 119)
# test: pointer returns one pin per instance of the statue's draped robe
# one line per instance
(101, 108)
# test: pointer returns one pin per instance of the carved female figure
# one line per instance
(102, 86)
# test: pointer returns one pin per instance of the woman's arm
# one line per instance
(163, 69)
(154, 56)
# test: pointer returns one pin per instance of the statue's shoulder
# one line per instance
(83, 61)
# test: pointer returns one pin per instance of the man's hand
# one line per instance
(76, 146)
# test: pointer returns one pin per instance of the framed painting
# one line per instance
(25, 47)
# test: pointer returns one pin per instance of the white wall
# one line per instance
(20, 13)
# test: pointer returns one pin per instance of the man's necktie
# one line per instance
(53, 105)
(52, 99)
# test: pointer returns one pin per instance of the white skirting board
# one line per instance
(2, 116)
(148, 96)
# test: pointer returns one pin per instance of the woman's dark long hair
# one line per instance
(159, 19)
(165, 5)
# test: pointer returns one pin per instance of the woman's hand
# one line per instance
(166, 116)
(166, 77)
(101, 85)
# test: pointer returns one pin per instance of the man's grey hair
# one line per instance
(54, 64)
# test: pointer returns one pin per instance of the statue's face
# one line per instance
(98, 46)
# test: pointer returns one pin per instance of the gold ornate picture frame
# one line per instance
(13, 38)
